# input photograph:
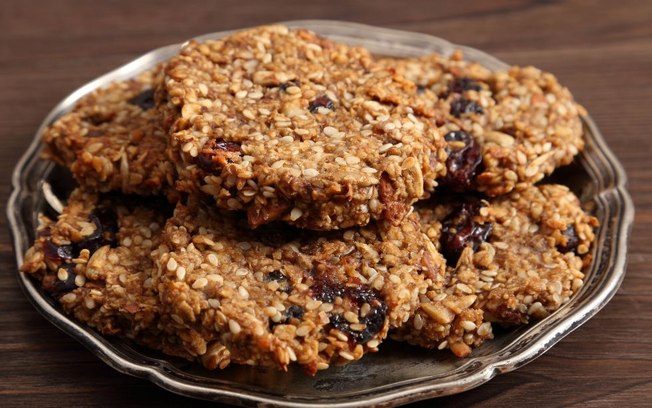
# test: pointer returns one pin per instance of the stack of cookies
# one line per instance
(276, 198)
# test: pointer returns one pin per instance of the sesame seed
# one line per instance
(200, 283)
(212, 259)
(278, 164)
(310, 173)
(351, 317)
(244, 293)
(295, 214)
(214, 303)
(322, 366)
(464, 288)
(291, 354)
(80, 280)
(241, 94)
(312, 304)
(357, 326)
(347, 356)
(303, 331)
(330, 131)
(326, 307)
(181, 273)
(442, 345)
(372, 344)
(172, 265)
(468, 325)
(89, 303)
(62, 274)
(234, 327)
(69, 298)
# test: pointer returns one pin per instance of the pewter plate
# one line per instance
(398, 374)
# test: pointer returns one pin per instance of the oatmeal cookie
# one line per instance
(111, 140)
(278, 294)
(505, 129)
(291, 126)
(511, 260)
(95, 261)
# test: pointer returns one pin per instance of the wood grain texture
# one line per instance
(602, 50)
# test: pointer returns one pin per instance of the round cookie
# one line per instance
(95, 261)
(278, 295)
(505, 129)
(291, 126)
(111, 140)
(510, 260)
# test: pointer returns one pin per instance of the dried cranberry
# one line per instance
(106, 227)
(144, 100)
(294, 312)
(293, 82)
(56, 253)
(56, 286)
(216, 154)
(326, 291)
(459, 231)
(571, 240)
(461, 106)
(322, 101)
(463, 162)
(459, 85)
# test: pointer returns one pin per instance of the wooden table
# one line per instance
(601, 50)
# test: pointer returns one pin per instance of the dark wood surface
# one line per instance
(601, 50)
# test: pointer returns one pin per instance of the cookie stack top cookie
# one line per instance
(290, 126)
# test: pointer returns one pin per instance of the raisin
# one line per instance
(571, 240)
(283, 281)
(461, 106)
(374, 321)
(322, 101)
(459, 85)
(463, 162)
(285, 85)
(144, 100)
(459, 231)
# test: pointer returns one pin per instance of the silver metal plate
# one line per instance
(398, 373)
